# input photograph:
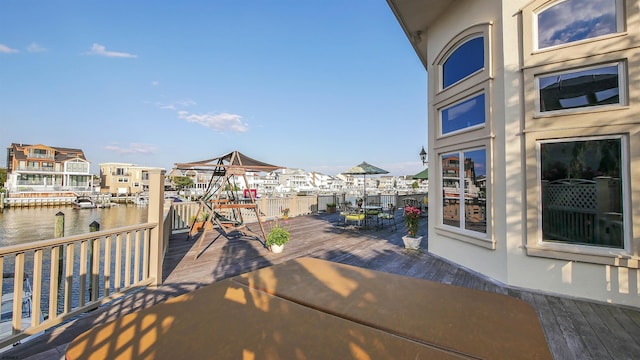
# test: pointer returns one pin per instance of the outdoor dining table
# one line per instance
(315, 309)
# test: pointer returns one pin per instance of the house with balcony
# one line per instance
(533, 140)
(42, 168)
(123, 179)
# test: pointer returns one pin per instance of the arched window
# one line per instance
(465, 60)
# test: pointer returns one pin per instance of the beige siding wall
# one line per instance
(513, 129)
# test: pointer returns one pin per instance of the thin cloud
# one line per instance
(133, 148)
(101, 50)
(35, 48)
(4, 49)
(219, 122)
(180, 104)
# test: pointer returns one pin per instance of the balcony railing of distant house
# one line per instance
(35, 169)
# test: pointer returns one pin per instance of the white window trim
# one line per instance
(620, 27)
(460, 233)
(622, 88)
(453, 50)
(476, 77)
(536, 246)
(458, 101)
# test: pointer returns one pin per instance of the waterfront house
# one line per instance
(124, 178)
(42, 168)
(532, 122)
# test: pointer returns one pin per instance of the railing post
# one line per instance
(156, 212)
(94, 262)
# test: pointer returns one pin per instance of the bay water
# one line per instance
(23, 225)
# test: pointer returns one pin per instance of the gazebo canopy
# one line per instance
(234, 159)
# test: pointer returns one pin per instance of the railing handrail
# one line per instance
(43, 244)
(47, 243)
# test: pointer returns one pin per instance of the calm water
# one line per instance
(30, 224)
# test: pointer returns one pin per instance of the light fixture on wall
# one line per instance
(423, 156)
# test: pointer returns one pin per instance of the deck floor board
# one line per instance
(574, 328)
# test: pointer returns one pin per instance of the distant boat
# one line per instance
(6, 328)
(82, 202)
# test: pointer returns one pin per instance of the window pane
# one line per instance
(463, 115)
(591, 87)
(464, 61)
(451, 190)
(582, 192)
(574, 20)
(475, 190)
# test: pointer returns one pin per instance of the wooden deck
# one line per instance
(575, 329)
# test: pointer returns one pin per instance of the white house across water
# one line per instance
(533, 140)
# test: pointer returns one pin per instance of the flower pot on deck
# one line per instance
(276, 248)
(411, 242)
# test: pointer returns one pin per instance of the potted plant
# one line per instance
(285, 213)
(331, 208)
(276, 238)
(411, 218)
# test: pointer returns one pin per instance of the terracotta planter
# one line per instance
(331, 209)
(412, 243)
(201, 225)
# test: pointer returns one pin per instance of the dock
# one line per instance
(574, 328)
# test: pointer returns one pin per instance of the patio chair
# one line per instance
(344, 209)
(388, 214)
(357, 215)
(374, 212)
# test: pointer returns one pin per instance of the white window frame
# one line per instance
(461, 233)
(481, 30)
(453, 50)
(469, 128)
(622, 89)
(620, 17)
(581, 252)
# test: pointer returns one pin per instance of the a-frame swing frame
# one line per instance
(225, 213)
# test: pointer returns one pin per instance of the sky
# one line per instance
(316, 85)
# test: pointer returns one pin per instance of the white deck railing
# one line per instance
(74, 274)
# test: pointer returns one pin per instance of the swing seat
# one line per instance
(224, 220)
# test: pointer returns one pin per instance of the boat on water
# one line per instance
(82, 202)
(6, 317)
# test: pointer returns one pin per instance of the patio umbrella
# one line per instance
(422, 175)
(365, 169)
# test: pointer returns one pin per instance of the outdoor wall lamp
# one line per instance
(423, 156)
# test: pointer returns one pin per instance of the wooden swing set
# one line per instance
(220, 206)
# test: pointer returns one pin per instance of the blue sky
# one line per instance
(318, 85)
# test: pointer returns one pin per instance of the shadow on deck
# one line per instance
(575, 329)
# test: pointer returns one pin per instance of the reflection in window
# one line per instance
(573, 20)
(463, 115)
(464, 189)
(464, 61)
(584, 88)
(582, 192)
